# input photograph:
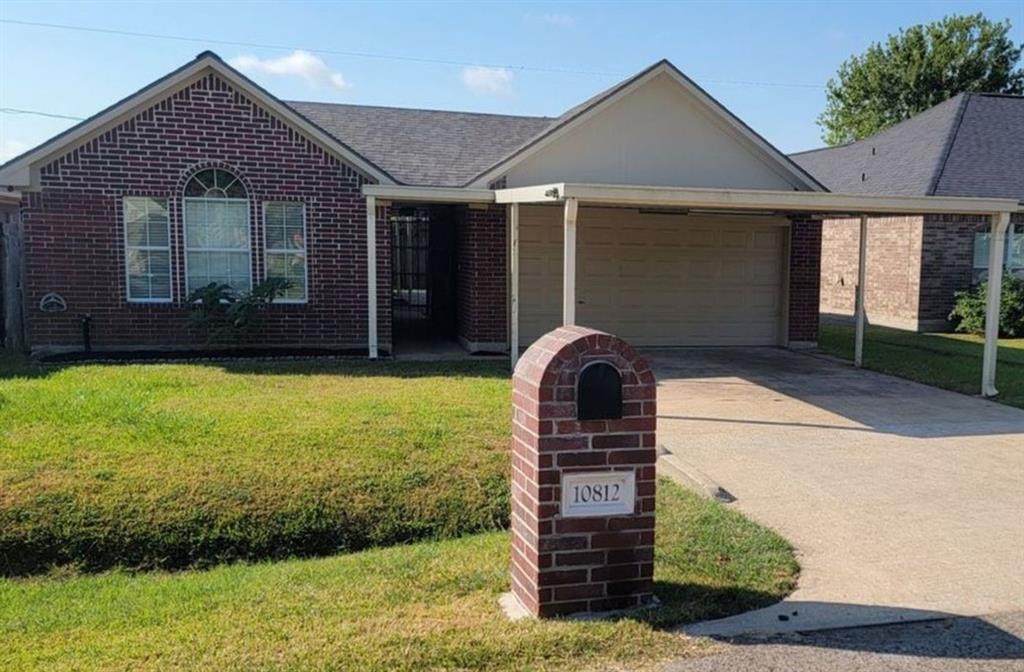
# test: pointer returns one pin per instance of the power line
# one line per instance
(282, 47)
(366, 54)
(15, 110)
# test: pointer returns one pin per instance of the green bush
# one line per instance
(968, 312)
(221, 314)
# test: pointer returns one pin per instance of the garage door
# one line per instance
(656, 279)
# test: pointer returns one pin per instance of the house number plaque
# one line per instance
(598, 493)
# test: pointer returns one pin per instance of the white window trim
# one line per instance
(305, 251)
(1011, 235)
(147, 248)
(235, 250)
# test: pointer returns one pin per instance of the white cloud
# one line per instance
(562, 20)
(488, 81)
(302, 64)
(835, 36)
(11, 148)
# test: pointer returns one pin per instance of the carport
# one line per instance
(582, 203)
(570, 207)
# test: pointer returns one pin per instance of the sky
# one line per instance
(768, 62)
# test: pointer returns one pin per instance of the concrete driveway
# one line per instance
(904, 501)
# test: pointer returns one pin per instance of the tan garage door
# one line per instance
(654, 278)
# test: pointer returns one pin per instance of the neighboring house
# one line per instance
(969, 145)
(674, 222)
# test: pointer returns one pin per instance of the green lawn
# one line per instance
(950, 361)
(186, 465)
(430, 605)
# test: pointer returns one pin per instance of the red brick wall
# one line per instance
(73, 229)
(482, 283)
(564, 565)
(947, 262)
(893, 284)
(804, 279)
(915, 265)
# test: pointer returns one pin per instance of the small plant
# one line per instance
(223, 315)
(968, 312)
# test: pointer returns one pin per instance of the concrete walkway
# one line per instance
(905, 502)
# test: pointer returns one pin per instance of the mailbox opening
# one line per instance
(599, 392)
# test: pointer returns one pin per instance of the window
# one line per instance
(284, 230)
(1014, 259)
(147, 244)
(217, 246)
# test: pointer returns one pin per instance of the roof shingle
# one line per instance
(969, 145)
(425, 147)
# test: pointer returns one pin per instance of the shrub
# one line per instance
(221, 314)
(969, 310)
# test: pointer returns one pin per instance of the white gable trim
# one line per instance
(775, 160)
(23, 171)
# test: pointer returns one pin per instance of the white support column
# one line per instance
(513, 338)
(996, 248)
(569, 264)
(862, 263)
(371, 275)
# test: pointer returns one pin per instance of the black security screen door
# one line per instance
(422, 287)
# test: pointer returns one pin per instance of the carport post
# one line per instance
(569, 264)
(996, 247)
(513, 264)
(858, 343)
(371, 275)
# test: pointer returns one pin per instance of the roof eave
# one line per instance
(779, 159)
(819, 203)
(22, 170)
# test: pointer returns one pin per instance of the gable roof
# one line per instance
(397, 145)
(21, 170)
(425, 147)
(576, 115)
(969, 145)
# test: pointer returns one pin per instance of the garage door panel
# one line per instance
(656, 280)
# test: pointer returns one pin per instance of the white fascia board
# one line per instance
(386, 192)
(545, 140)
(23, 170)
(755, 199)
(772, 157)
(543, 193)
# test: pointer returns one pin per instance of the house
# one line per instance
(969, 145)
(649, 211)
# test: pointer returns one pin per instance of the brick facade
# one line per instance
(915, 265)
(804, 280)
(482, 280)
(73, 227)
(74, 242)
(563, 565)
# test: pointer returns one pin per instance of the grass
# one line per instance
(950, 361)
(431, 605)
(187, 465)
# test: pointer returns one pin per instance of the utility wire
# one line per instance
(15, 110)
(366, 54)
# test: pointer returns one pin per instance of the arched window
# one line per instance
(217, 247)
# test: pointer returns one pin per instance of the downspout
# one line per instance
(371, 276)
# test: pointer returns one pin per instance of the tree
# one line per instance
(917, 69)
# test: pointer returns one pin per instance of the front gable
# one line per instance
(659, 129)
(206, 72)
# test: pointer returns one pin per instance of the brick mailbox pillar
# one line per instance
(583, 479)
